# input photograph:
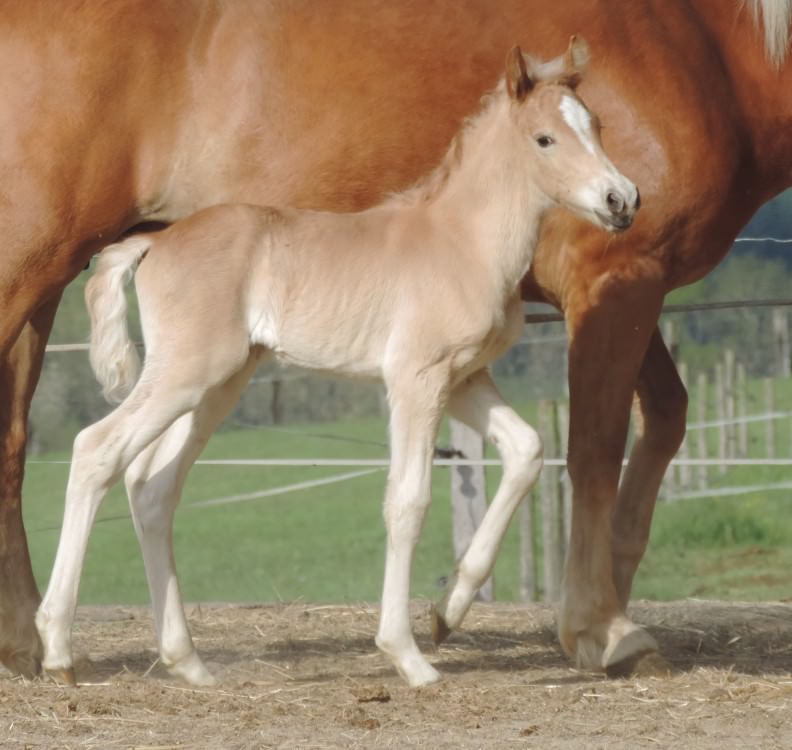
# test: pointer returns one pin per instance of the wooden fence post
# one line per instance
(276, 404)
(769, 405)
(528, 587)
(701, 417)
(684, 450)
(728, 391)
(553, 552)
(720, 407)
(468, 495)
(742, 425)
(565, 482)
(781, 338)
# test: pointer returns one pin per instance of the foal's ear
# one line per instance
(576, 60)
(518, 83)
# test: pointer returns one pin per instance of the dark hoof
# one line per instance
(440, 629)
(645, 664)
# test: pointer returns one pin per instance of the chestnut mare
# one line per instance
(421, 291)
(121, 112)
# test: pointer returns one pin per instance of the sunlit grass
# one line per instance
(326, 543)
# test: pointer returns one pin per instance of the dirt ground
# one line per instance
(302, 676)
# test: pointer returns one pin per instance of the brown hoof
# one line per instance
(440, 629)
(645, 664)
(63, 676)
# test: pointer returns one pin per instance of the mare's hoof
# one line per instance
(628, 652)
(440, 629)
(647, 664)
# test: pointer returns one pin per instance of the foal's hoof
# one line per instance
(63, 676)
(440, 629)
(192, 670)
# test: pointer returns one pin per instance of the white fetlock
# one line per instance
(418, 672)
(192, 670)
(56, 641)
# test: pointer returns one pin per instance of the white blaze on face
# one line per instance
(577, 117)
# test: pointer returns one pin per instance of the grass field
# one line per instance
(326, 544)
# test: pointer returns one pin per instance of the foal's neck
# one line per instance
(490, 197)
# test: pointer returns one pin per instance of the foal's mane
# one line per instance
(775, 17)
(428, 186)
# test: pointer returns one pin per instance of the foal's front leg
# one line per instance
(415, 416)
(477, 403)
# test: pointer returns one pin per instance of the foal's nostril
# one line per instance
(637, 199)
(615, 203)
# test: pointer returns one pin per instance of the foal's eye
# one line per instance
(545, 141)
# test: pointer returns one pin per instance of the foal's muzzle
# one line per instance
(621, 209)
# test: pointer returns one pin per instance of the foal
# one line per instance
(420, 291)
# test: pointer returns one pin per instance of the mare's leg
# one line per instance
(663, 403)
(154, 484)
(608, 345)
(416, 403)
(478, 404)
(20, 647)
(101, 454)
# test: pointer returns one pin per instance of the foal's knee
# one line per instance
(524, 454)
(85, 449)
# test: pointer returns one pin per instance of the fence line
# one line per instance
(777, 240)
(379, 463)
(734, 491)
(739, 420)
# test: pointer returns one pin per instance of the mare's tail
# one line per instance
(113, 355)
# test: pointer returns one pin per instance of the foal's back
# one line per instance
(322, 290)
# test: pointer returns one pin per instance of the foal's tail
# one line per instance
(113, 355)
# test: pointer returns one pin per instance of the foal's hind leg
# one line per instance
(477, 403)
(154, 484)
(101, 454)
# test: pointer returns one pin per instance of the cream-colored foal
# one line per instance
(420, 291)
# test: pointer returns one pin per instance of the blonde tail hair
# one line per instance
(113, 354)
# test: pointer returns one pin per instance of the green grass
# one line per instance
(326, 544)
(322, 544)
(721, 548)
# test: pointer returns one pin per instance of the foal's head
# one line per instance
(567, 160)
